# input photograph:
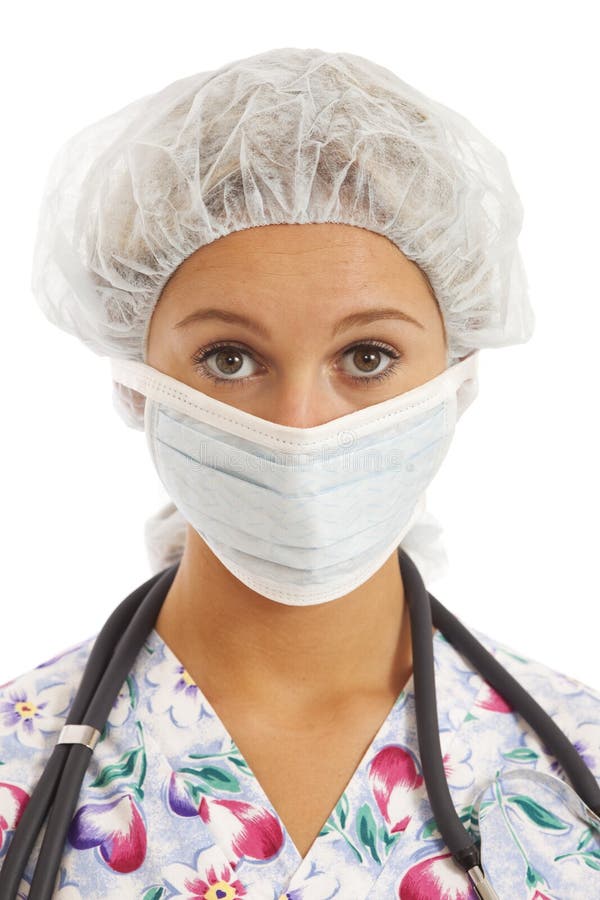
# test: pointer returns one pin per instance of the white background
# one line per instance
(519, 492)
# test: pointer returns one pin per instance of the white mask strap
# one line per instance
(459, 379)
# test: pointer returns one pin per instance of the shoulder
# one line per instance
(542, 676)
(34, 706)
(574, 705)
(35, 703)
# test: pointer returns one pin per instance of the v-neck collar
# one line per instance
(210, 778)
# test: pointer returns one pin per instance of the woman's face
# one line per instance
(298, 324)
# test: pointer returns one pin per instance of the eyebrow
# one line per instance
(357, 318)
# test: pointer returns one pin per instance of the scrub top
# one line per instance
(169, 808)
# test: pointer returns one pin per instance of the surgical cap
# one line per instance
(285, 136)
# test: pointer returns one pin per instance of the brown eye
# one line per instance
(224, 362)
(370, 361)
(228, 361)
(366, 360)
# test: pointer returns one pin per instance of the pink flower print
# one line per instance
(243, 828)
(393, 776)
(29, 713)
(13, 801)
(211, 877)
(488, 698)
(116, 827)
(436, 878)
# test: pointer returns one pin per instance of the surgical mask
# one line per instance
(300, 515)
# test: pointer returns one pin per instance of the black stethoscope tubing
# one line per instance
(114, 653)
(423, 615)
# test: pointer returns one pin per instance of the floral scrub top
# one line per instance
(169, 808)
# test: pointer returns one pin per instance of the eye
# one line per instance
(226, 363)
(223, 362)
(368, 358)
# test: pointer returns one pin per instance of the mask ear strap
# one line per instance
(468, 390)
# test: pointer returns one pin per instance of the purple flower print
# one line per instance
(29, 713)
(116, 827)
(180, 800)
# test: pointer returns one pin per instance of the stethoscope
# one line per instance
(113, 656)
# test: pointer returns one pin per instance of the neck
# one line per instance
(295, 658)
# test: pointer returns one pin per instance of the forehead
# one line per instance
(340, 262)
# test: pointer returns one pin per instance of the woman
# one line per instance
(298, 384)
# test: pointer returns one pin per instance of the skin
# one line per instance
(298, 665)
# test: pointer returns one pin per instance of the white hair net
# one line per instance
(286, 136)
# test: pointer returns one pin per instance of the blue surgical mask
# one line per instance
(300, 515)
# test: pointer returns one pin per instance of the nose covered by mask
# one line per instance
(300, 515)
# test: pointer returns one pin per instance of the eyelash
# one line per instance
(199, 361)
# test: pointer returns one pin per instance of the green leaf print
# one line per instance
(590, 857)
(533, 878)
(341, 810)
(197, 792)
(587, 835)
(521, 754)
(215, 777)
(241, 764)
(538, 814)
(367, 830)
(388, 839)
(233, 755)
(133, 695)
(122, 769)
(473, 823)
(520, 659)
(154, 893)
(431, 830)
